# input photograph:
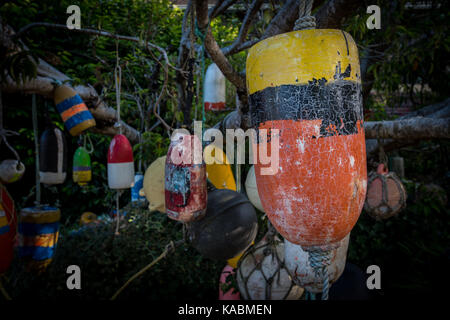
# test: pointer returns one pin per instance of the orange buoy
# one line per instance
(306, 84)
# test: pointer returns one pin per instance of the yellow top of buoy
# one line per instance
(305, 55)
(154, 185)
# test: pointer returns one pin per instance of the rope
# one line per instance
(319, 261)
(117, 214)
(305, 19)
(202, 37)
(6, 133)
(118, 80)
(170, 247)
(86, 136)
(36, 148)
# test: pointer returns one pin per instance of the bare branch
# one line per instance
(220, 7)
(413, 128)
(102, 33)
(251, 12)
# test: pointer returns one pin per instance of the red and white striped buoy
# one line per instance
(120, 163)
(214, 89)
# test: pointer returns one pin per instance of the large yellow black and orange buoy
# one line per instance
(8, 223)
(307, 85)
(73, 110)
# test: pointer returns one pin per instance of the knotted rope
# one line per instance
(319, 260)
(305, 19)
(118, 81)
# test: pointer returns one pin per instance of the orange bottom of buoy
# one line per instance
(317, 194)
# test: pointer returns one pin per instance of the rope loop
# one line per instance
(305, 19)
(319, 261)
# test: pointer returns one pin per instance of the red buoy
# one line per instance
(185, 179)
(120, 163)
(8, 223)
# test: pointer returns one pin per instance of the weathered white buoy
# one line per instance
(52, 156)
(120, 163)
(214, 89)
(261, 274)
(298, 264)
(252, 189)
(11, 170)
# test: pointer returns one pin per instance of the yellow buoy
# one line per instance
(154, 185)
(218, 168)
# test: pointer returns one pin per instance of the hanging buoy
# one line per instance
(52, 156)
(306, 84)
(154, 185)
(185, 181)
(120, 163)
(231, 293)
(218, 168)
(252, 189)
(88, 218)
(214, 89)
(8, 223)
(11, 170)
(297, 262)
(82, 173)
(38, 235)
(261, 273)
(228, 228)
(137, 186)
(386, 195)
(73, 110)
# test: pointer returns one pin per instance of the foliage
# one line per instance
(410, 51)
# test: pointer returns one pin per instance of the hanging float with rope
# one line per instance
(214, 89)
(82, 172)
(73, 111)
(307, 85)
(120, 153)
(52, 154)
(261, 273)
